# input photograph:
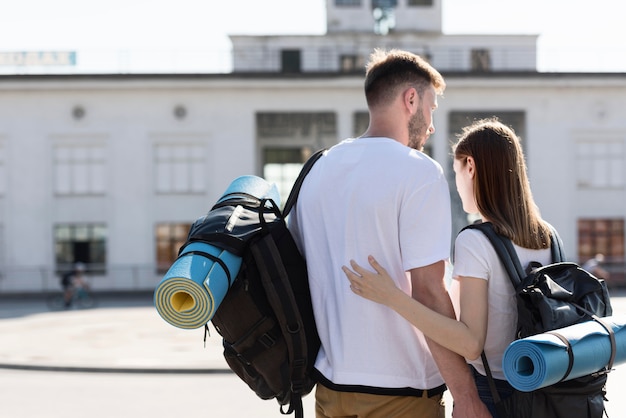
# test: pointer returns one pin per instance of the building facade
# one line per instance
(112, 169)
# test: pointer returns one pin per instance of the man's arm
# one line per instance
(429, 289)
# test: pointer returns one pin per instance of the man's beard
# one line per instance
(418, 131)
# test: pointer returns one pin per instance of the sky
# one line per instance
(175, 35)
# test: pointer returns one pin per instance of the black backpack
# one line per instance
(548, 298)
(266, 318)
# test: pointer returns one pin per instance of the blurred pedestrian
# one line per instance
(72, 281)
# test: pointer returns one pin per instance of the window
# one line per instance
(481, 60)
(515, 119)
(85, 243)
(286, 139)
(290, 60)
(327, 59)
(179, 168)
(420, 3)
(281, 166)
(79, 169)
(347, 2)
(351, 63)
(383, 12)
(384, 4)
(600, 164)
(295, 126)
(169, 238)
(604, 236)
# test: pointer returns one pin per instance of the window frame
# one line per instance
(179, 168)
(79, 169)
(84, 242)
(167, 246)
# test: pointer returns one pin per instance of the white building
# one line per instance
(112, 169)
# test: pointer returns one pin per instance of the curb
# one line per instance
(126, 370)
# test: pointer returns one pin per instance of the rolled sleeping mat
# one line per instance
(197, 282)
(195, 285)
(251, 185)
(541, 360)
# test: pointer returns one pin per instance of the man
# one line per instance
(378, 194)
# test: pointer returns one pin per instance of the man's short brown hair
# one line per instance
(387, 71)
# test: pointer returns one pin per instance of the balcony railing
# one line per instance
(254, 59)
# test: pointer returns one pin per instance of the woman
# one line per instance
(491, 180)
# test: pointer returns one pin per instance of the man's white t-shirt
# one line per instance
(371, 196)
(474, 256)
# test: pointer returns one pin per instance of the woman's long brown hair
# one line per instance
(501, 186)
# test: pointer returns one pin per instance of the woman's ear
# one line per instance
(471, 166)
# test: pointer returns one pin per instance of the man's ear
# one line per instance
(411, 99)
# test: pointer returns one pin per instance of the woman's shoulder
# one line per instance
(474, 242)
(471, 235)
(473, 255)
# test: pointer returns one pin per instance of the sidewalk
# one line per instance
(125, 339)
(126, 334)
(133, 339)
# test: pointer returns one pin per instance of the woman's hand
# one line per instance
(376, 286)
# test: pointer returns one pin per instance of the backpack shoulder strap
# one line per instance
(505, 250)
(295, 190)
(556, 246)
(507, 255)
(278, 289)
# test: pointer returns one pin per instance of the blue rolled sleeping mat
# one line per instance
(544, 359)
(194, 286)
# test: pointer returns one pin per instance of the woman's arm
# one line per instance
(465, 337)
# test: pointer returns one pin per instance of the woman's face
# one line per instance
(465, 183)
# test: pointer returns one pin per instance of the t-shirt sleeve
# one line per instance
(425, 225)
(471, 253)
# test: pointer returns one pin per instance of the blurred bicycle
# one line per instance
(81, 299)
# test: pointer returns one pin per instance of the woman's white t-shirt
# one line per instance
(474, 256)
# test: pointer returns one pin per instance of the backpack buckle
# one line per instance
(267, 340)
